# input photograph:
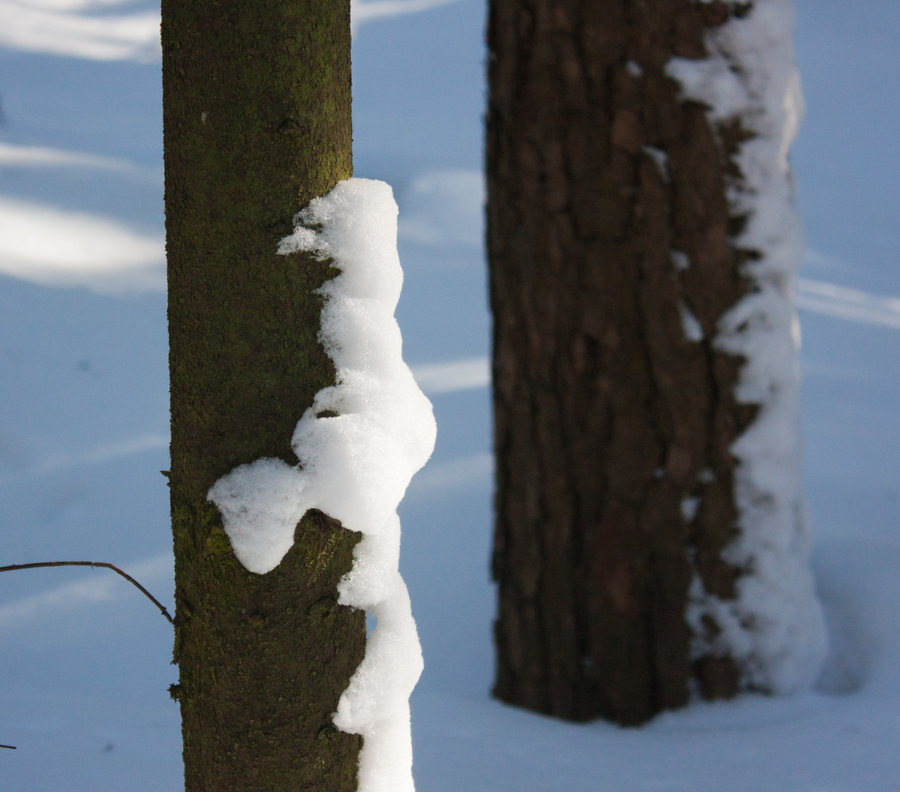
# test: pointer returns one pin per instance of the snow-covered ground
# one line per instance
(84, 659)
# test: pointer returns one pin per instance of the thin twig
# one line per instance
(113, 567)
(11, 747)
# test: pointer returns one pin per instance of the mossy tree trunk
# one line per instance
(256, 102)
(607, 418)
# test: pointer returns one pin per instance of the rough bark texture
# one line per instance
(606, 416)
(257, 122)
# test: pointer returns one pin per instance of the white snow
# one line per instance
(660, 159)
(46, 244)
(850, 304)
(355, 464)
(444, 207)
(362, 11)
(473, 471)
(690, 324)
(12, 156)
(689, 508)
(774, 627)
(82, 693)
(92, 588)
(453, 376)
(680, 259)
(75, 28)
(86, 28)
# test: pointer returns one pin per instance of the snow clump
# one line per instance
(358, 446)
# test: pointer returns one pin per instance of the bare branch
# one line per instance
(113, 567)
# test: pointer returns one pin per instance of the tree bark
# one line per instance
(256, 105)
(612, 428)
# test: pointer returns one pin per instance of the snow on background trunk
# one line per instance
(359, 445)
(774, 628)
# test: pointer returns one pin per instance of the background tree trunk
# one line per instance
(256, 123)
(612, 427)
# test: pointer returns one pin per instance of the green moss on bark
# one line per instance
(256, 124)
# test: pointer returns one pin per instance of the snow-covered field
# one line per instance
(84, 660)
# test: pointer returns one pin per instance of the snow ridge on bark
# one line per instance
(774, 628)
(358, 446)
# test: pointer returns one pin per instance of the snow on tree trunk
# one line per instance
(358, 445)
(773, 627)
(650, 537)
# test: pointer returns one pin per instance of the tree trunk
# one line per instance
(614, 411)
(256, 105)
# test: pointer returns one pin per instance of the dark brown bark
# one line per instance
(257, 122)
(606, 417)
